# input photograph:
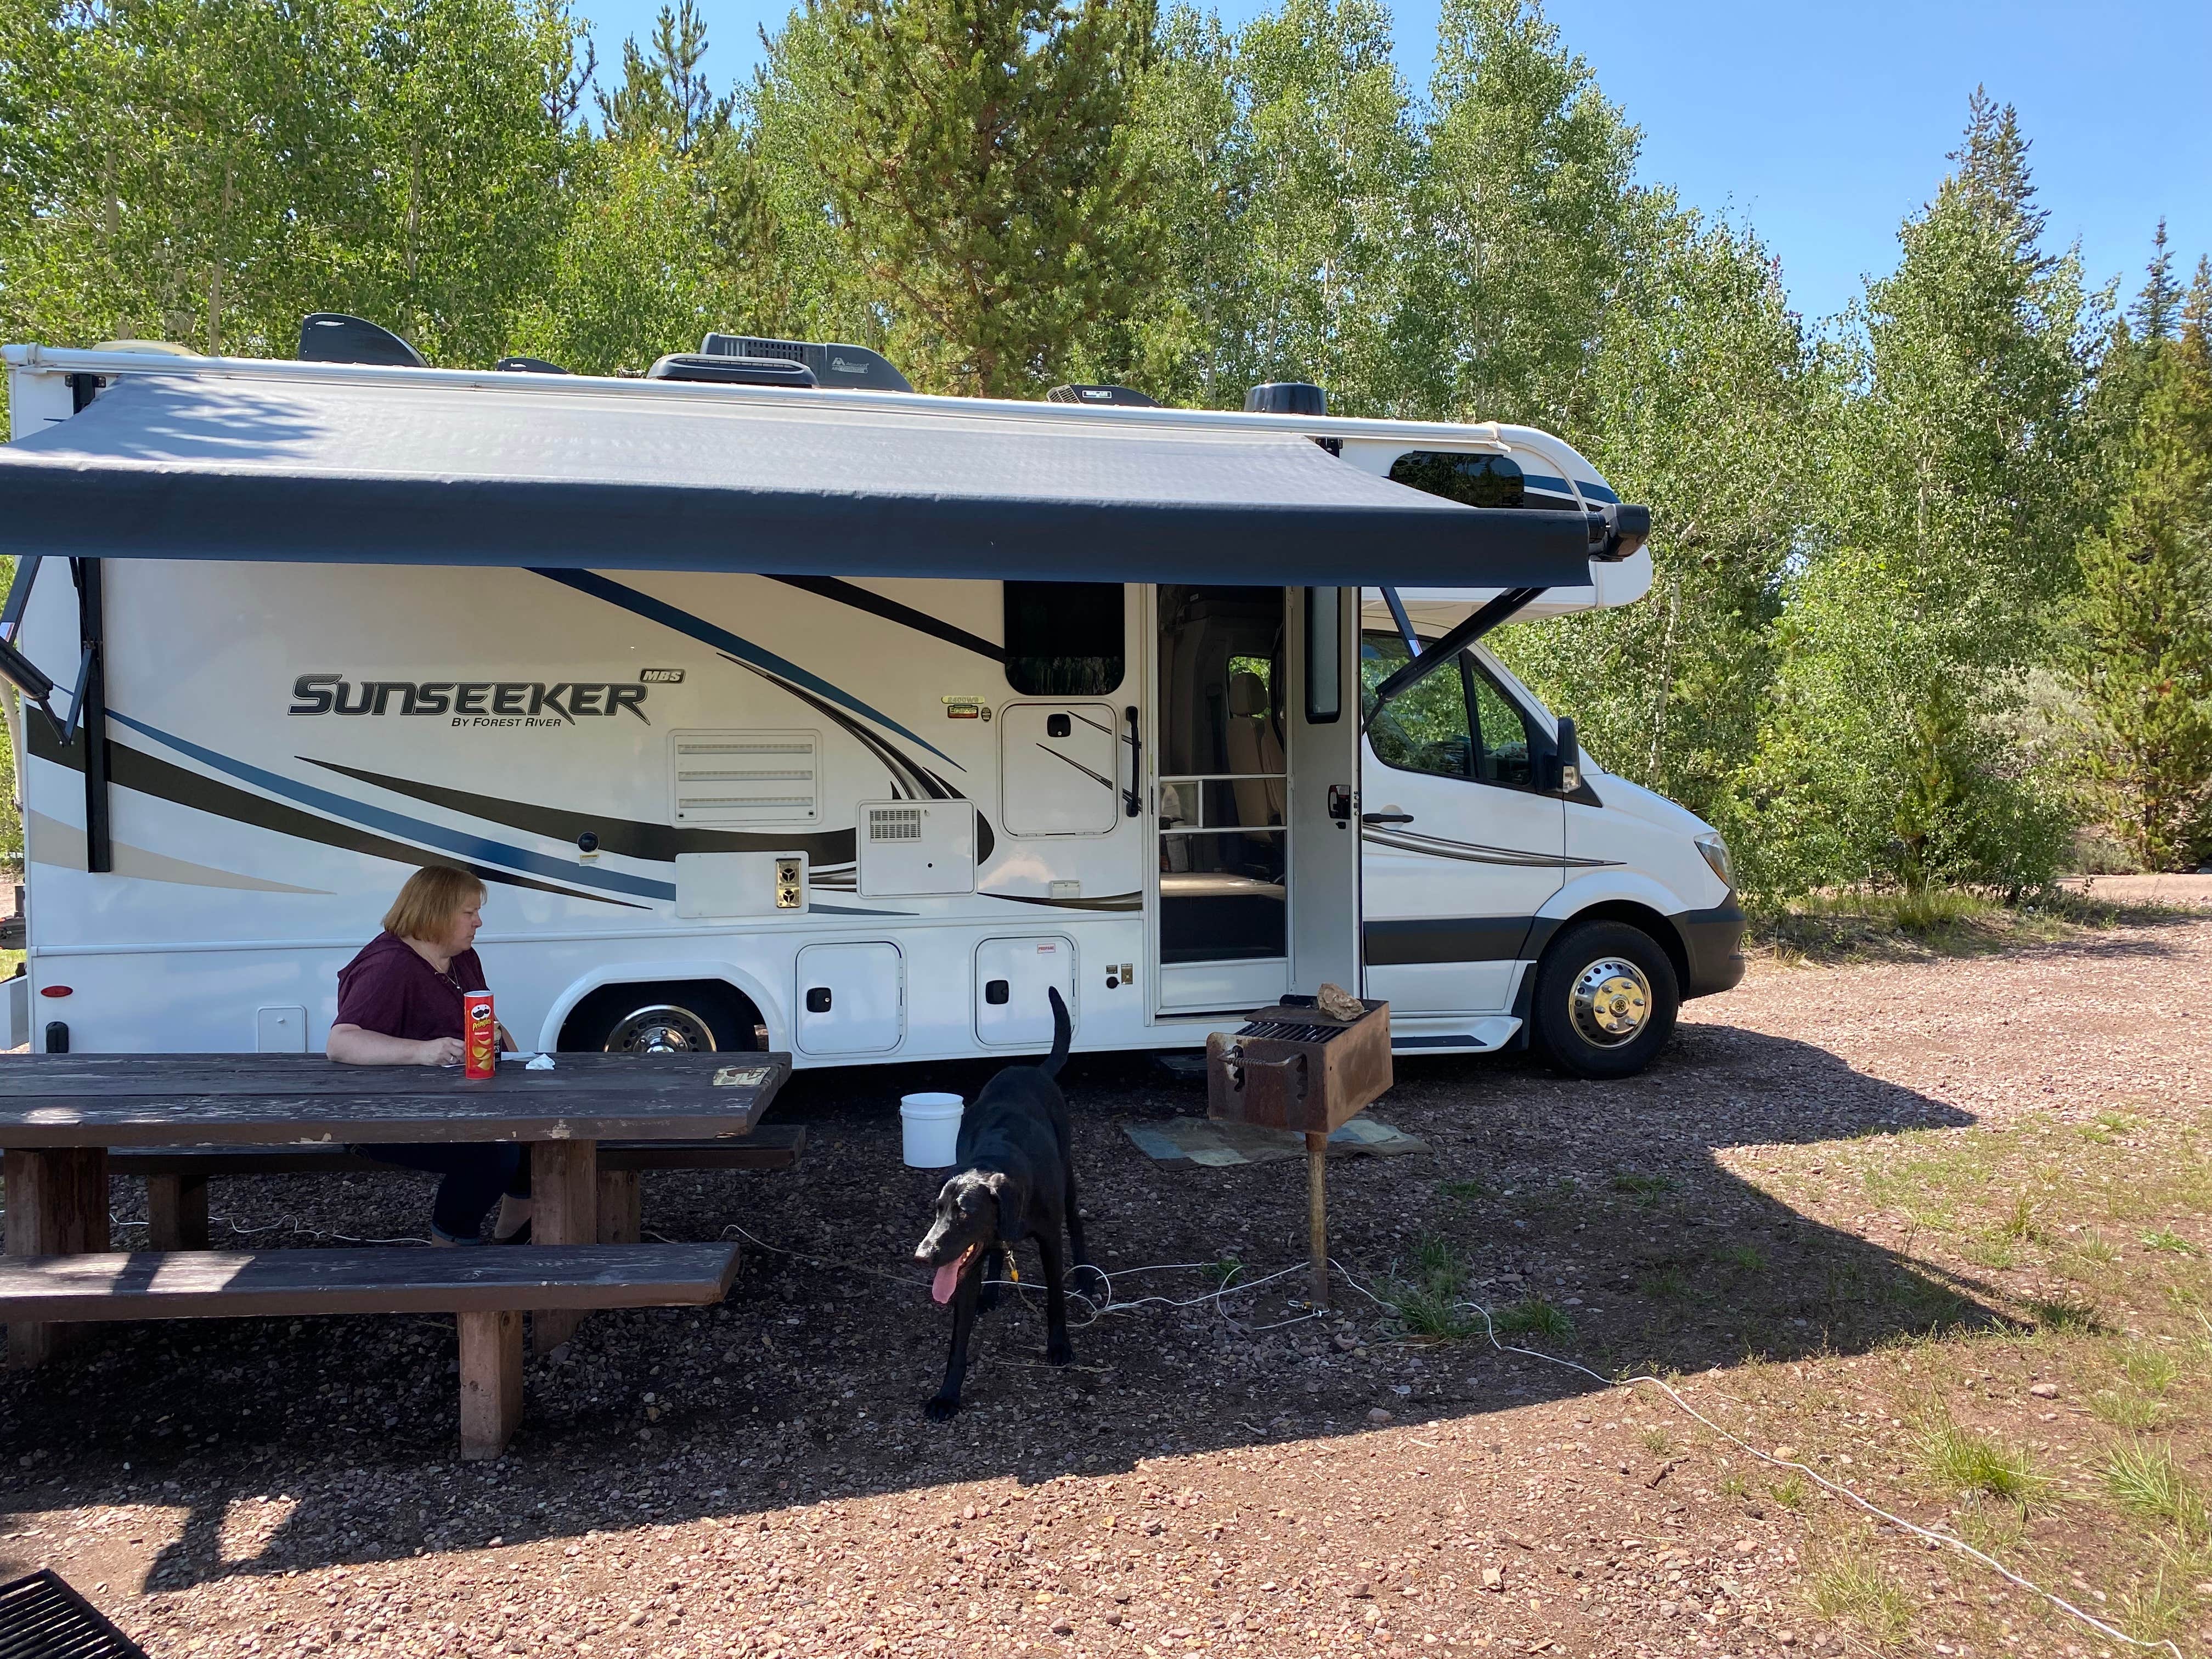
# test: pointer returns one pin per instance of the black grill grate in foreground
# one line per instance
(42, 1618)
(1293, 1030)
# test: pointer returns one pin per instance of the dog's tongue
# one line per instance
(948, 1277)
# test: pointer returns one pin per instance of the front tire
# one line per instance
(1605, 1000)
(695, 1018)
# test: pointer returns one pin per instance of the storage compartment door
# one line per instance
(852, 998)
(1059, 769)
(1012, 978)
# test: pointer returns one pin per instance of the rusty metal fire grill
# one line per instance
(1293, 1066)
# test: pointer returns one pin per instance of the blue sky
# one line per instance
(1823, 125)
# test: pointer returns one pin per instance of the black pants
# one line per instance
(476, 1176)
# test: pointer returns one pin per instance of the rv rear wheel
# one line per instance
(1605, 1000)
(696, 1017)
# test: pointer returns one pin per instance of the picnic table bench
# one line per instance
(61, 1114)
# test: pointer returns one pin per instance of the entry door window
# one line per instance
(1224, 775)
(1456, 723)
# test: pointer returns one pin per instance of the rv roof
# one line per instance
(227, 459)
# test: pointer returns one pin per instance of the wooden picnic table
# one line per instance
(60, 1113)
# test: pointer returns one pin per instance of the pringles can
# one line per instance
(480, 1034)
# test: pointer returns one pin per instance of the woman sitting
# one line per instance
(399, 1004)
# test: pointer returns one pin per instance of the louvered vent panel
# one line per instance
(746, 777)
(42, 1618)
(894, 824)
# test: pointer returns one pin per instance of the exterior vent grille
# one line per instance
(744, 777)
(894, 824)
(42, 1618)
(749, 346)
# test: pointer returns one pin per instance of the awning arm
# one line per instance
(26, 676)
(1455, 641)
(19, 596)
(1397, 614)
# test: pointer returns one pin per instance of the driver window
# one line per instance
(1429, 728)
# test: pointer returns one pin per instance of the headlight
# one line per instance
(1716, 855)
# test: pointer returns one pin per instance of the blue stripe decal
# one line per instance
(644, 604)
(1596, 492)
(456, 842)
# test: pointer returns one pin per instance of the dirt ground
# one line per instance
(1886, 1220)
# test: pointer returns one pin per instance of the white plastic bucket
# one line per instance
(932, 1127)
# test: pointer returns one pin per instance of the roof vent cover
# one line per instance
(1287, 397)
(732, 371)
(331, 336)
(850, 367)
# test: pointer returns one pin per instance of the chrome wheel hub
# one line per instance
(662, 1029)
(1611, 1001)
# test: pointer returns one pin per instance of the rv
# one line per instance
(828, 718)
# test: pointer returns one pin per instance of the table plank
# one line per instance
(207, 1284)
(27, 1079)
(633, 1098)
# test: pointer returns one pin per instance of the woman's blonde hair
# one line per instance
(429, 901)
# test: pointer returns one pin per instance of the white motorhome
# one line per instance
(837, 720)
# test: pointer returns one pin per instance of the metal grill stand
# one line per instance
(1293, 1066)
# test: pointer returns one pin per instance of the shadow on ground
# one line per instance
(298, 1443)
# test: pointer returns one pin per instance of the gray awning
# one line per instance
(466, 470)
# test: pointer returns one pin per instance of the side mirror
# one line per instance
(1570, 763)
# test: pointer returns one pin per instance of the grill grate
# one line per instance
(1293, 1030)
(42, 1618)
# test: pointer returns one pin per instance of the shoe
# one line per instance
(446, 1241)
(520, 1235)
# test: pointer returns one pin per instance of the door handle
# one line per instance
(1391, 816)
(1132, 797)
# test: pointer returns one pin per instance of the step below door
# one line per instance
(851, 999)
(1013, 976)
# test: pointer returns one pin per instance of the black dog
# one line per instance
(1017, 1180)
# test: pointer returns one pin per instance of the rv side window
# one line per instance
(1450, 725)
(1064, 639)
(1470, 480)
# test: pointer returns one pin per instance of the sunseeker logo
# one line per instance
(471, 703)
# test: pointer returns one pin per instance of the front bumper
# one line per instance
(1712, 946)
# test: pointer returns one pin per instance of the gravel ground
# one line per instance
(1219, 1474)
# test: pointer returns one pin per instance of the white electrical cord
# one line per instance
(1099, 1311)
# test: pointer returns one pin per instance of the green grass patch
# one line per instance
(2150, 1369)
(2167, 1239)
(1852, 1588)
(1532, 1316)
(1961, 1460)
(1429, 1297)
(2123, 1408)
(2067, 1312)
(2144, 1480)
(1467, 1189)
(1792, 1492)
(1748, 1257)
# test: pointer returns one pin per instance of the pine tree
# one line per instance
(664, 98)
(2139, 639)
(977, 158)
(1957, 498)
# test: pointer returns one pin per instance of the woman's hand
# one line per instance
(438, 1051)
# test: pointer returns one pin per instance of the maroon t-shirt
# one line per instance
(388, 988)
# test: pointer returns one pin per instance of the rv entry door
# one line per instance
(1323, 717)
(1256, 843)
